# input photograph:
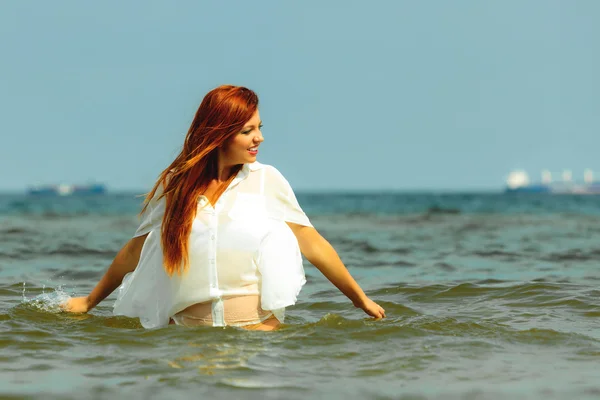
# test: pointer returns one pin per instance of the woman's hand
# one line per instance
(77, 305)
(371, 308)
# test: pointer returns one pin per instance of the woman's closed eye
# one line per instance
(247, 131)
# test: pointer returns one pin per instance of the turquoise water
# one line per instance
(487, 296)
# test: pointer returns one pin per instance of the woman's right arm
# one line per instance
(125, 261)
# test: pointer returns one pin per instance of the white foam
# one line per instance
(48, 302)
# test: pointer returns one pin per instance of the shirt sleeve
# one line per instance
(284, 205)
(152, 216)
(280, 267)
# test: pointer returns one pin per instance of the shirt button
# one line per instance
(212, 237)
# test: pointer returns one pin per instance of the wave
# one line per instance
(573, 255)
(76, 250)
(62, 249)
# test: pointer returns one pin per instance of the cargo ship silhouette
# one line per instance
(518, 182)
(67, 190)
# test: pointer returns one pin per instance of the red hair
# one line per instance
(222, 114)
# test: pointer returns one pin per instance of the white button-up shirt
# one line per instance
(241, 246)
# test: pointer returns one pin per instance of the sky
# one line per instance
(354, 95)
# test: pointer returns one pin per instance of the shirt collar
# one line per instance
(244, 172)
(255, 166)
(241, 175)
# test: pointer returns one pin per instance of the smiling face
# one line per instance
(242, 148)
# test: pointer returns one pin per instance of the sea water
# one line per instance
(487, 296)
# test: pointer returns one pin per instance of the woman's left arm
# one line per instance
(322, 255)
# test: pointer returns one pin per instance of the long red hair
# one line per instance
(222, 114)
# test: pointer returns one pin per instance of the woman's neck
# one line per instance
(225, 172)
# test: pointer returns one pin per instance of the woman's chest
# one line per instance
(237, 222)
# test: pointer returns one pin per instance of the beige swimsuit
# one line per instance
(238, 311)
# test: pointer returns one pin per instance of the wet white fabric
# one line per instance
(240, 246)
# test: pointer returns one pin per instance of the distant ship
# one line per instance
(518, 182)
(67, 190)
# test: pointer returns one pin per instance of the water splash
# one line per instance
(49, 302)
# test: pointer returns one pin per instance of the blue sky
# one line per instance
(397, 95)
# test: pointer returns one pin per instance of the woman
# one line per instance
(221, 234)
